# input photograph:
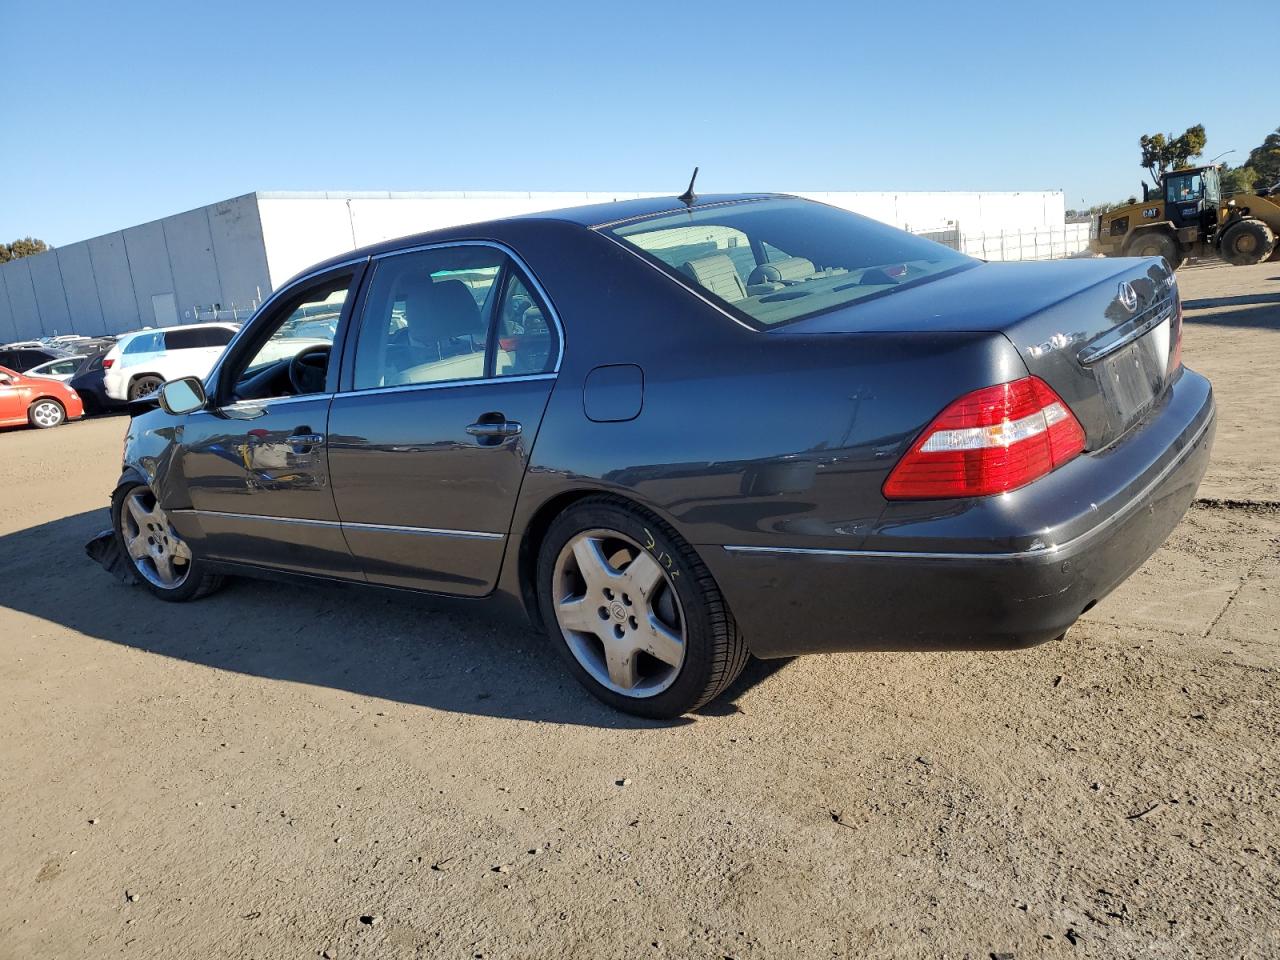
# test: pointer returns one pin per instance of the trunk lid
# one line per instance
(1101, 332)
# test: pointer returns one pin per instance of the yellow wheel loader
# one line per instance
(1187, 216)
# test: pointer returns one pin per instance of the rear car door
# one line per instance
(445, 381)
(254, 463)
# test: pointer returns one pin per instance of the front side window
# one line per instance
(309, 323)
(771, 262)
(432, 316)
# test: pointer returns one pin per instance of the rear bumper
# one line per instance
(932, 582)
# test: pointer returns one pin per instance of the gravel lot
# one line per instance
(277, 772)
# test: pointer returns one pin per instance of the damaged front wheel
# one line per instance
(161, 559)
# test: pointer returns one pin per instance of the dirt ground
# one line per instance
(279, 772)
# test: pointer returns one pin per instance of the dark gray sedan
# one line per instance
(675, 432)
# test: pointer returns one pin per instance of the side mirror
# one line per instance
(182, 396)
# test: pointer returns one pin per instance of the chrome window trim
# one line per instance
(1039, 553)
(243, 405)
(441, 384)
(524, 269)
(380, 527)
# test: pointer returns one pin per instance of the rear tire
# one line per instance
(687, 606)
(144, 386)
(158, 557)
(1156, 243)
(1247, 242)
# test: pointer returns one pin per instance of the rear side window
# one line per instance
(449, 314)
(152, 342)
(771, 262)
(183, 339)
(217, 336)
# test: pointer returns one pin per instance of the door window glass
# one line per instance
(426, 319)
(1188, 186)
(527, 340)
(309, 323)
(221, 336)
(62, 367)
(183, 339)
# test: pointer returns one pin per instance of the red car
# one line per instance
(38, 401)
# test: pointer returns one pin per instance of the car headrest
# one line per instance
(455, 313)
(439, 310)
(782, 271)
(718, 275)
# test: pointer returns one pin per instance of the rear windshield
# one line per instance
(770, 262)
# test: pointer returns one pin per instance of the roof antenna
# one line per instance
(688, 197)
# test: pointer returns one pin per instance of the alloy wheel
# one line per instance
(157, 552)
(619, 613)
(46, 413)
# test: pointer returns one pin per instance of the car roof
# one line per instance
(226, 324)
(589, 216)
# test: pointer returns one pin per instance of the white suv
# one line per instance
(141, 361)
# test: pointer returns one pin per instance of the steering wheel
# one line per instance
(307, 368)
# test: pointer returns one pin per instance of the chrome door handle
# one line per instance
(502, 428)
(305, 440)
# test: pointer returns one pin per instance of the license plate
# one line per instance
(1133, 378)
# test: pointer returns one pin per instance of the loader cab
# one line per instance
(1191, 197)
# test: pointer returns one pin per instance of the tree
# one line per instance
(1238, 180)
(1265, 159)
(1161, 153)
(21, 248)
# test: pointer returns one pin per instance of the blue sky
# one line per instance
(116, 113)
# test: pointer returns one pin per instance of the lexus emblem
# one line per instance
(1127, 297)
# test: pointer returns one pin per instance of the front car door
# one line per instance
(13, 399)
(1184, 198)
(254, 462)
(445, 380)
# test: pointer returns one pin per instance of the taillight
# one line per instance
(107, 364)
(991, 440)
(1175, 355)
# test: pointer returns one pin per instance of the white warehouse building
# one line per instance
(222, 260)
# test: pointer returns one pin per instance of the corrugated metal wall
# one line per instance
(203, 258)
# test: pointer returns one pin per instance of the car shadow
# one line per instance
(1256, 313)
(347, 638)
(1209, 303)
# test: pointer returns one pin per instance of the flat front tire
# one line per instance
(161, 559)
(634, 611)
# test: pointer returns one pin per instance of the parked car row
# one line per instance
(102, 374)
